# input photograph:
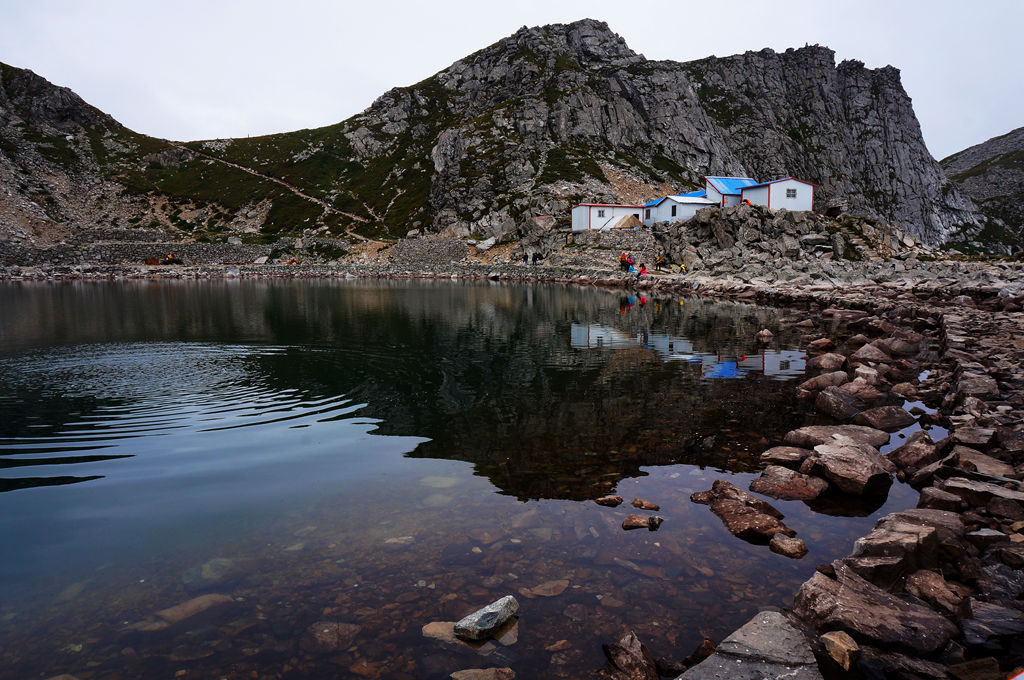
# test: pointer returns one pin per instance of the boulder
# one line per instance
(765, 647)
(919, 450)
(987, 621)
(928, 585)
(908, 547)
(820, 382)
(821, 345)
(888, 418)
(786, 484)
(813, 435)
(974, 461)
(609, 501)
(851, 466)
(628, 659)
(862, 389)
(870, 614)
(835, 402)
(867, 374)
(870, 353)
(976, 437)
(830, 362)
(482, 623)
(978, 494)
(971, 384)
(937, 499)
(786, 456)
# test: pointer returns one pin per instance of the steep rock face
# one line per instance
(541, 120)
(528, 127)
(992, 175)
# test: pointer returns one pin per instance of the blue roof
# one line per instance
(693, 194)
(730, 185)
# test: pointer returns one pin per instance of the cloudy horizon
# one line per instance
(230, 68)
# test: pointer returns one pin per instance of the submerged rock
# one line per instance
(645, 505)
(628, 659)
(482, 623)
(650, 523)
(767, 646)
(787, 546)
(332, 636)
(503, 673)
(744, 515)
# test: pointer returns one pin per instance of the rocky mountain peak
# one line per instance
(32, 99)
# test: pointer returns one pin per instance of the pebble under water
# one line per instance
(305, 479)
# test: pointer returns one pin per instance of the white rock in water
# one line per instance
(482, 623)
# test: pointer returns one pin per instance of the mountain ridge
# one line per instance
(992, 175)
(524, 127)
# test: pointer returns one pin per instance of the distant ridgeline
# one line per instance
(992, 175)
(529, 126)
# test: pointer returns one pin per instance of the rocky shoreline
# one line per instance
(934, 592)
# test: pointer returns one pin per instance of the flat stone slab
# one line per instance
(785, 484)
(814, 435)
(765, 648)
(979, 493)
(869, 613)
(786, 456)
(888, 418)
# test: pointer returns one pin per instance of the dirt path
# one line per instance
(290, 187)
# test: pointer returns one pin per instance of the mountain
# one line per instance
(992, 175)
(526, 127)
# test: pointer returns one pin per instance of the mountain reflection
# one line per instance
(550, 392)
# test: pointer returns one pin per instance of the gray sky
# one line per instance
(198, 69)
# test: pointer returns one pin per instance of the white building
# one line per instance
(726, 191)
(672, 208)
(601, 215)
(789, 193)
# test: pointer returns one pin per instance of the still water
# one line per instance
(384, 456)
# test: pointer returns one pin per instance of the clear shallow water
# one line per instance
(385, 455)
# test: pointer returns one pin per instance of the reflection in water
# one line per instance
(381, 454)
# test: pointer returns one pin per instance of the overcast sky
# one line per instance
(199, 69)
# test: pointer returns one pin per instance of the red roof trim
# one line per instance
(607, 205)
(774, 181)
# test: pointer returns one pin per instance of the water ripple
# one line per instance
(116, 398)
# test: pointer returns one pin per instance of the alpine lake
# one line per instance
(299, 479)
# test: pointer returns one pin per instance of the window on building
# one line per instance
(674, 210)
(600, 213)
(790, 193)
(647, 214)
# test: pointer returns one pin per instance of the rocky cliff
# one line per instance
(992, 175)
(524, 128)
